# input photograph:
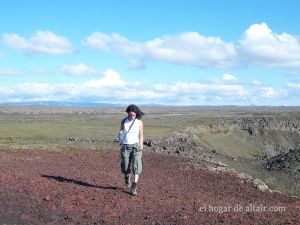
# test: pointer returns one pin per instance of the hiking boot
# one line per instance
(127, 180)
(133, 189)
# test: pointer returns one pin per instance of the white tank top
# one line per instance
(132, 136)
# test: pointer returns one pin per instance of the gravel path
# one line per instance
(86, 187)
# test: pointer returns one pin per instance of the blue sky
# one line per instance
(164, 52)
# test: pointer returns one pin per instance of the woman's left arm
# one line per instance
(141, 134)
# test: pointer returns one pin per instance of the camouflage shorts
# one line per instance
(131, 155)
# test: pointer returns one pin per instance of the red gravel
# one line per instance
(86, 187)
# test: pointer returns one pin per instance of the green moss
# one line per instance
(259, 155)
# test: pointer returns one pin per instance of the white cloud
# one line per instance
(294, 91)
(192, 48)
(271, 93)
(268, 92)
(98, 40)
(261, 46)
(111, 78)
(294, 86)
(9, 72)
(206, 90)
(186, 48)
(229, 77)
(42, 42)
(113, 43)
(79, 69)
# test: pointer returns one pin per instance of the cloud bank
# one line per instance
(258, 46)
(110, 87)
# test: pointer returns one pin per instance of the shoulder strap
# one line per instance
(130, 125)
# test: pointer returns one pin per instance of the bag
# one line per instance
(121, 137)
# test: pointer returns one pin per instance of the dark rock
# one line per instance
(286, 162)
(148, 143)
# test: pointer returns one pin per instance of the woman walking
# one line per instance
(131, 150)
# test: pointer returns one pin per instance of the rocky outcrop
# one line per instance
(272, 135)
(254, 125)
(183, 144)
(288, 162)
(179, 143)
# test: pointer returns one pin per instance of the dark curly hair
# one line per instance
(134, 108)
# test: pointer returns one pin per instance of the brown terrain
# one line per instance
(86, 187)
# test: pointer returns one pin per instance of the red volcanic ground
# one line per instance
(86, 187)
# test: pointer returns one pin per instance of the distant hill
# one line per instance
(153, 105)
(54, 103)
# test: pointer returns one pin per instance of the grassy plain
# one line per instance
(57, 128)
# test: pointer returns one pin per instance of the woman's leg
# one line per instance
(125, 165)
(137, 163)
(136, 178)
(137, 168)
